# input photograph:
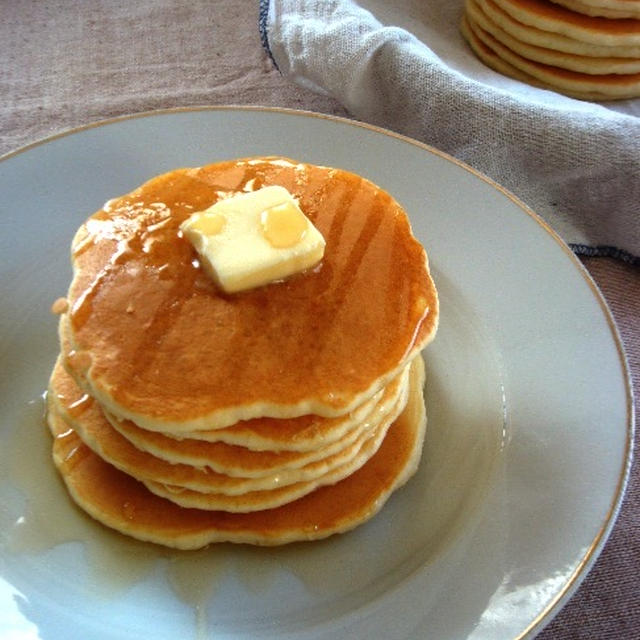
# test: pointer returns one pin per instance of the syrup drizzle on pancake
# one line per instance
(138, 301)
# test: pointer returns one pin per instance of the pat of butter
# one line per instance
(254, 238)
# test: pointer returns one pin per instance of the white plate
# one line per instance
(528, 397)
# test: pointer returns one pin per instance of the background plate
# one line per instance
(530, 419)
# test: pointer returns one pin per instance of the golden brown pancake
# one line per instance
(529, 34)
(588, 86)
(307, 433)
(156, 342)
(486, 55)
(239, 460)
(238, 415)
(604, 8)
(549, 16)
(584, 64)
(85, 417)
(298, 437)
(364, 448)
(239, 498)
(121, 502)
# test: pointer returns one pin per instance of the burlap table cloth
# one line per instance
(68, 63)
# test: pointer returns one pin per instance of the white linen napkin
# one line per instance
(403, 65)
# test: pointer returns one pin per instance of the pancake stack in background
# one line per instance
(184, 415)
(588, 49)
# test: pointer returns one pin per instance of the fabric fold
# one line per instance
(577, 164)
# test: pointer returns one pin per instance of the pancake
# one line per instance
(583, 64)
(486, 55)
(240, 497)
(275, 497)
(305, 433)
(298, 436)
(587, 86)
(555, 18)
(604, 8)
(526, 33)
(185, 415)
(83, 414)
(320, 475)
(154, 341)
(235, 460)
(122, 503)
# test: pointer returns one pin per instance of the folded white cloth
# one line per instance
(403, 65)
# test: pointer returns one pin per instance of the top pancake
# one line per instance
(158, 343)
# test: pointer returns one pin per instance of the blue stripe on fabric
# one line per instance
(604, 251)
(262, 26)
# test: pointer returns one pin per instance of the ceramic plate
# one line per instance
(529, 406)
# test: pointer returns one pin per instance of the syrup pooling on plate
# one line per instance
(48, 518)
(140, 262)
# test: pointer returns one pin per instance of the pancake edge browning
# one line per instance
(581, 86)
(224, 418)
(555, 18)
(591, 65)
(98, 434)
(189, 529)
(603, 8)
(293, 459)
(535, 36)
(365, 449)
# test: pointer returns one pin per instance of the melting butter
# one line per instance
(253, 239)
(208, 224)
(283, 225)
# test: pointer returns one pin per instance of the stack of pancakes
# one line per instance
(588, 49)
(184, 416)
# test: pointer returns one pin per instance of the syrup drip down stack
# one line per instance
(184, 413)
(588, 49)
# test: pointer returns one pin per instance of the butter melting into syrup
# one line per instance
(283, 226)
